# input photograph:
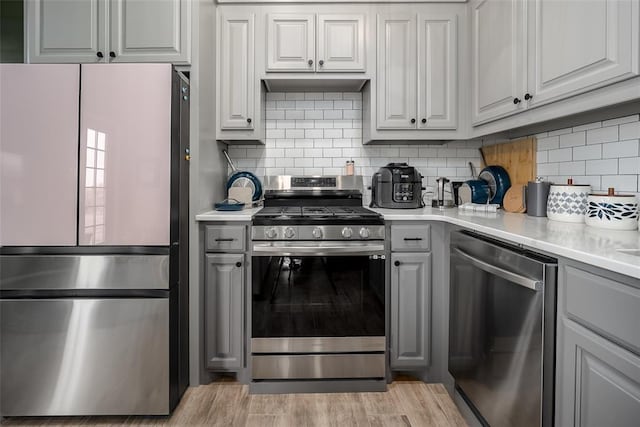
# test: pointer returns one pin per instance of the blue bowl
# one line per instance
(479, 190)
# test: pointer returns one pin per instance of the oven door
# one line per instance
(318, 297)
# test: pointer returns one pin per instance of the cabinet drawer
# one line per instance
(411, 237)
(608, 306)
(225, 238)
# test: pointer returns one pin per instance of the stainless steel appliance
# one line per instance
(501, 330)
(397, 186)
(93, 317)
(318, 279)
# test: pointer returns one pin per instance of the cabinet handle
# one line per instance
(423, 121)
(310, 62)
(249, 120)
(99, 54)
(397, 263)
(112, 54)
(412, 238)
(238, 264)
(321, 62)
(527, 96)
(516, 101)
(413, 120)
(226, 239)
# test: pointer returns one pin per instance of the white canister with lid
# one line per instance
(612, 211)
(568, 203)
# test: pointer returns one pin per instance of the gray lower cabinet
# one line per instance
(599, 382)
(224, 303)
(410, 310)
(597, 357)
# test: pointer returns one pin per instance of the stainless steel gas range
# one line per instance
(318, 283)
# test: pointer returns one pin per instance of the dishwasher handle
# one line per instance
(533, 284)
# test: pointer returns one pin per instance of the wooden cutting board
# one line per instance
(517, 157)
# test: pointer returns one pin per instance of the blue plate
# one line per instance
(229, 205)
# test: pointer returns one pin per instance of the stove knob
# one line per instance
(271, 233)
(317, 233)
(365, 233)
(347, 232)
(289, 232)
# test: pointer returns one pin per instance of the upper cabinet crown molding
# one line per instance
(230, 2)
(94, 31)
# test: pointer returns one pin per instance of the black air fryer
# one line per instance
(396, 186)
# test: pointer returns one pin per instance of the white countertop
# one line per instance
(243, 215)
(579, 242)
(574, 241)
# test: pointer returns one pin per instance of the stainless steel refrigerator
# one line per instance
(93, 239)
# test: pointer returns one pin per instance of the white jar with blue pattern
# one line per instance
(612, 211)
(568, 203)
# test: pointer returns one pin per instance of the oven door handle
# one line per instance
(297, 249)
(535, 285)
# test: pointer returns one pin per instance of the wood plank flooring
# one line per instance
(405, 404)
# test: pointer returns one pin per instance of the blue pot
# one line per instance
(479, 190)
(498, 180)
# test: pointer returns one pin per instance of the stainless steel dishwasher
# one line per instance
(502, 330)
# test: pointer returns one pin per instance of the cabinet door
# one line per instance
(291, 42)
(125, 148)
(150, 31)
(410, 310)
(38, 154)
(498, 46)
(341, 43)
(598, 383)
(236, 85)
(396, 87)
(578, 46)
(60, 31)
(224, 308)
(438, 72)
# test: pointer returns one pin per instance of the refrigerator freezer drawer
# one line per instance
(84, 357)
(54, 272)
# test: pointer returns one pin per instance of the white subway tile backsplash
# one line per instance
(549, 143)
(602, 167)
(630, 131)
(629, 165)
(620, 149)
(621, 120)
(587, 152)
(600, 135)
(313, 114)
(314, 133)
(561, 155)
(587, 126)
(572, 139)
(622, 183)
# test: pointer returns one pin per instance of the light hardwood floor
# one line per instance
(405, 404)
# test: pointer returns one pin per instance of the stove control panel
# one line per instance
(317, 232)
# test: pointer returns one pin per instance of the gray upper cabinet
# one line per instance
(224, 308)
(410, 310)
(598, 348)
(63, 31)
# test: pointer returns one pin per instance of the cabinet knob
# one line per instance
(112, 54)
(396, 263)
(423, 121)
(100, 54)
(413, 120)
(310, 62)
(238, 264)
(321, 62)
(527, 96)
(516, 101)
(249, 120)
